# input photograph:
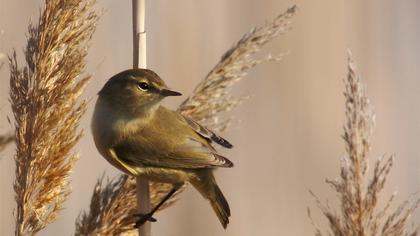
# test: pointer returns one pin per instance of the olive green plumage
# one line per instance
(142, 138)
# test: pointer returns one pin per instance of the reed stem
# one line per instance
(139, 61)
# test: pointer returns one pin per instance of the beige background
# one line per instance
(289, 139)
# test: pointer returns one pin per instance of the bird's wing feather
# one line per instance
(181, 158)
(206, 133)
(170, 142)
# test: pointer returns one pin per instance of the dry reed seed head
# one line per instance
(208, 100)
(359, 213)
(109, 198)
(113, 204)
(211, 96)
(44, 97)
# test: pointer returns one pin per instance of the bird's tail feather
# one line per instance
(207, 186)
(220, 206)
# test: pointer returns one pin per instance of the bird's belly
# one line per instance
(163, 175)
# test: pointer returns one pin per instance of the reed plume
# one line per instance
(208, 100)
(44, 96)
(358, 192)
(211, 97)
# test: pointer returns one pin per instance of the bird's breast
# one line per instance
(107, 126)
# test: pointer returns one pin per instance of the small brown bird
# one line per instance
(142, 138)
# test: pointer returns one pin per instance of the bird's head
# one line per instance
(135, 90)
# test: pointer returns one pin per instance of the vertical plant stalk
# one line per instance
(358, 192)
(209, 100)
(44, 96)
(139, 61)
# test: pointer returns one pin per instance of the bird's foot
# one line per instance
(143, 218)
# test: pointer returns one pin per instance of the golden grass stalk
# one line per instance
(208, 100)
(359, 212)
(44, 97)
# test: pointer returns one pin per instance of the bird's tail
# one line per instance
(220, 206)
(207, 186)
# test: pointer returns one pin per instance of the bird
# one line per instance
(142, 138)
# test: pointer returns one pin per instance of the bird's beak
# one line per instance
(167, 92)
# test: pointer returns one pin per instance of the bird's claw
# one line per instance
(143, 218)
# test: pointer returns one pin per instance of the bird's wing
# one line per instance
(180, 159)
(171, 142)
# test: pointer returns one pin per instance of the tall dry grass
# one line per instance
(44, 95)
(359, 212)
(113, 203)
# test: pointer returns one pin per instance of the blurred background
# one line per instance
(288, 140)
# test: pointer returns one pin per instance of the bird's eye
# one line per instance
(143, 86)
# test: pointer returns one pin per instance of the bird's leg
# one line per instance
(149, 216)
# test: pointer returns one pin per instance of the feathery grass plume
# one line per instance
(211, 96)
(208, 100)
(44, 97)
(113, 205)
(108, 205)
(359, 213)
